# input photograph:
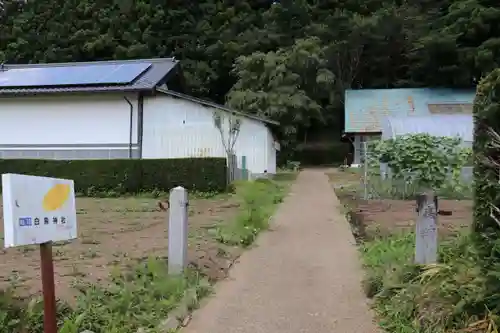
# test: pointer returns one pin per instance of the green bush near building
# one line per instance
(128, 176)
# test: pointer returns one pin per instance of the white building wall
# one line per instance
(66, 120)
(176, 128)
(271, 150)
(33, 125)
(253, 143)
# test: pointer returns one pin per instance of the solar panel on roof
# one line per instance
(90, 74)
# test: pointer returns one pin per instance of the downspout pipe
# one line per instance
(130, 139)
(140, 123)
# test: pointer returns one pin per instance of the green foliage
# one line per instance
(293, 166)
(342, 45)
(455, 295)
(258, 201)
(130, 176)
(140, 297)
(332, 153)
(286, 175)
(486, 153)
(421, 159)
(289, 60)
(285, 90)
(390, 188)
(461, 46)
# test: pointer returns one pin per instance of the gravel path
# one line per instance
(304, 276)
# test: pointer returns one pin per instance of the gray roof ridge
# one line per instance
(214, 105)
(78, 63)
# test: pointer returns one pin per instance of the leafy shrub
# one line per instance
(322, 154)
(419, 161)
(292, 166)
(101, 177)
(429, 159)
(487, 153)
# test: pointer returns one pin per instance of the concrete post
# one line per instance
(426, 229)
(177, 230)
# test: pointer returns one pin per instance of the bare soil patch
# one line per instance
(115, 232)
(392, 216)
(383, 217)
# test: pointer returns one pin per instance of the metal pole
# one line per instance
(365, 167)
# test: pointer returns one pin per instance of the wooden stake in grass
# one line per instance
(426, 228)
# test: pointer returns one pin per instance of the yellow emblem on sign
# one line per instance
(56, 197)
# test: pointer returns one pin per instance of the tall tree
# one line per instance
(464, 46)
(291, 86)
(289, 59)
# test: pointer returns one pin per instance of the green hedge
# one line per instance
(486, 185)
(333, 154)
(94, 177)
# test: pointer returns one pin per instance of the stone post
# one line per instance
(177, 230)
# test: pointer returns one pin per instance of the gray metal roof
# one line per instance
(364, 108)
(148, 80)
(153, 79)
(214, 105)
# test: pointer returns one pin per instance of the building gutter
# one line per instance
(131, 126)
(140, 122)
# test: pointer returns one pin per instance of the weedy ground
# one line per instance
(458, 294)
(388, 214)
(461, 293)
(114, 279)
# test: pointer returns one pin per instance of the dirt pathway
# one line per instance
(303, 277)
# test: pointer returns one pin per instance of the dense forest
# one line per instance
(289, 60)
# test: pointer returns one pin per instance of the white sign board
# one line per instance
(37, 210)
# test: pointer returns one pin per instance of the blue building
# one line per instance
(366, 112)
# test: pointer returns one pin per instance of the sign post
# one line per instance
(48, 287)
(39, 210)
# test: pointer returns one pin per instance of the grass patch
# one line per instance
(392, 254)
(285, 176)
(352, 180)
(139, 293)
(406, 189)
(138, 298)
(152, 194)
(459, 294)
(259, 199)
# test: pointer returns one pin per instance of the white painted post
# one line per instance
(426, 229)
(177, 230)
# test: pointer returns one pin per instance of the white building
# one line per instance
(118, 109)
(365, 109)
